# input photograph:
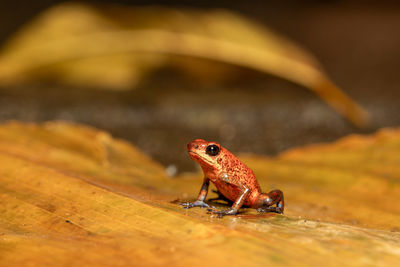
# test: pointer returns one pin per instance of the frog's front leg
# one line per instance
(236, 205)
(200, 199)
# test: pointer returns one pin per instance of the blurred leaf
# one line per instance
(117, 47)
(73, 195)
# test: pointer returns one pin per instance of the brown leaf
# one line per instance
(71, 194)
(115, 48)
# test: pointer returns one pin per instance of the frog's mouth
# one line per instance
(197, 157)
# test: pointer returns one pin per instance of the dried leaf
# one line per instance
(72, 195)
(116, 48)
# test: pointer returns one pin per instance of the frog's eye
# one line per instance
(212, 150)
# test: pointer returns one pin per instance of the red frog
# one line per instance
(233, 179)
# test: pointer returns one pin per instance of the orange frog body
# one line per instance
(234, 180)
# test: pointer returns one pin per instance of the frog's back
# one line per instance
(237, 173)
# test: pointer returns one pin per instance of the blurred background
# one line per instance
(178, 98)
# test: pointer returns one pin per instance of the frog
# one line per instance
(234, 181)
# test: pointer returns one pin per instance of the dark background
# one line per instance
(357, 42)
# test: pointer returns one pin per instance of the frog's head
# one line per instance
(207, 154)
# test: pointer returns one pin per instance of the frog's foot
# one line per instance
(197, 203)
(271, 209)
(272, 202)
(222, 213)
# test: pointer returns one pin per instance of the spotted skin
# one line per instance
(233, 179)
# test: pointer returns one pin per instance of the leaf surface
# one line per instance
(72, 194)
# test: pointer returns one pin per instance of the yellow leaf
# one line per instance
(73, 195)
(115, 48)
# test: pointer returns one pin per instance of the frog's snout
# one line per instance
(195, 144)
(189, 146)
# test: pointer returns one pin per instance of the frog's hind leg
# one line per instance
(275, 197)
(220, 197)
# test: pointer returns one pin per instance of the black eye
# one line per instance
(212, 150)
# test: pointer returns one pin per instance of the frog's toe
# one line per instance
(186, 205)
(198, 203)
(222, 213)
(271, 209)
